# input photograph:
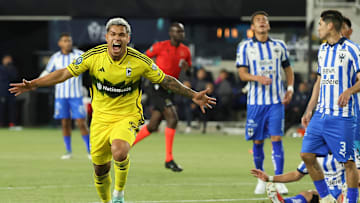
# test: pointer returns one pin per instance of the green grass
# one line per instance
(216, 169)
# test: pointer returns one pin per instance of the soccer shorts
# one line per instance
(69, 108)
(102, 135)
(264, 121)
(161, 98)
(326, 133)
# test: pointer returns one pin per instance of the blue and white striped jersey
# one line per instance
(334, 172)
(263, 59)
(338, 65)
(70, 88)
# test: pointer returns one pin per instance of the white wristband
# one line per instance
(271, 179)
(290, 88)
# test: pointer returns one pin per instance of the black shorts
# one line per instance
(161, 98)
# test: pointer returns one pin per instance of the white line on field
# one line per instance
(137, 185)
(196, 200)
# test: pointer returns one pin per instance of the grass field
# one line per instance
(216, 169)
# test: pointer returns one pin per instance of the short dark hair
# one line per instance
(258, 13)
(333, 16)
(347, 21)
(64, 34)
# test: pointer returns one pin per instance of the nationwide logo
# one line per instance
(115, 90)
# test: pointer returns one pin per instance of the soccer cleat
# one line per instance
(273, 194)
(118, 200)
(173, 166)
(328, 199)
(260, 187)
(281, 188)
(66, 156)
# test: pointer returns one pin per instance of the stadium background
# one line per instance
(30, 170)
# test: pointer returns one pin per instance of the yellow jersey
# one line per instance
(116, 89)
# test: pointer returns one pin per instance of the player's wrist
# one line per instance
(271, 179)
(290, 88)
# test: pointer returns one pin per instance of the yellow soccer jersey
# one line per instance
(116, 84)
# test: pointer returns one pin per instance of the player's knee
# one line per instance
(81, 123)
(308, 158)
(102, 169)
(152, 128)
(172, 123)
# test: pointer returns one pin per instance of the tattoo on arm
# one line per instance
(174, 85)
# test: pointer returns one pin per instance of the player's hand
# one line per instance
(19, 88)
(204, 101)
(264, 80)
(260, 174)
(287, 98)
(305, 119)
(344, 98)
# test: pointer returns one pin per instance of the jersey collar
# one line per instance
(255, 40)
(117, 62)
(341, 41)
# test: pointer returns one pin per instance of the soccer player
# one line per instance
(116, 72)
(334, 178)
(68, 95)
(259, 61)
(346, 31)
(172, 56)
(332, 127)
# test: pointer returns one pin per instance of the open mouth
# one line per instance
(116, 46)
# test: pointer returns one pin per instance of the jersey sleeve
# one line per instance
(154, 73)
(79, 65)
(355, 56)
(285, 62)
(50, 67)
(241, 55)
(302, 168)
(153, 51)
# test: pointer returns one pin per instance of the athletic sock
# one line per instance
(121, 170)
(321, 188)
(67, 142)
(259, 156)
(352, 195)
(87, 143)
(169, 140)
(144, 132)
(102, 184)
(278, 157)
(298, 198)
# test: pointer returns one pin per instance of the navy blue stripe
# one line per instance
(326, 57)
(324, 164)
(349, 85)
(356, 59)
(340, 86)
(333, 165)
(256, 83)
(244, 54)
(334, 55)
(277, 80)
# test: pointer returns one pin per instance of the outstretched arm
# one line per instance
(283, 178)
(48, 80)
(199, 98)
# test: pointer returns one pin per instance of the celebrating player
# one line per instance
(116, 71)
(68, 95)
(259, 61)
(172, 56)
(332, 127)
